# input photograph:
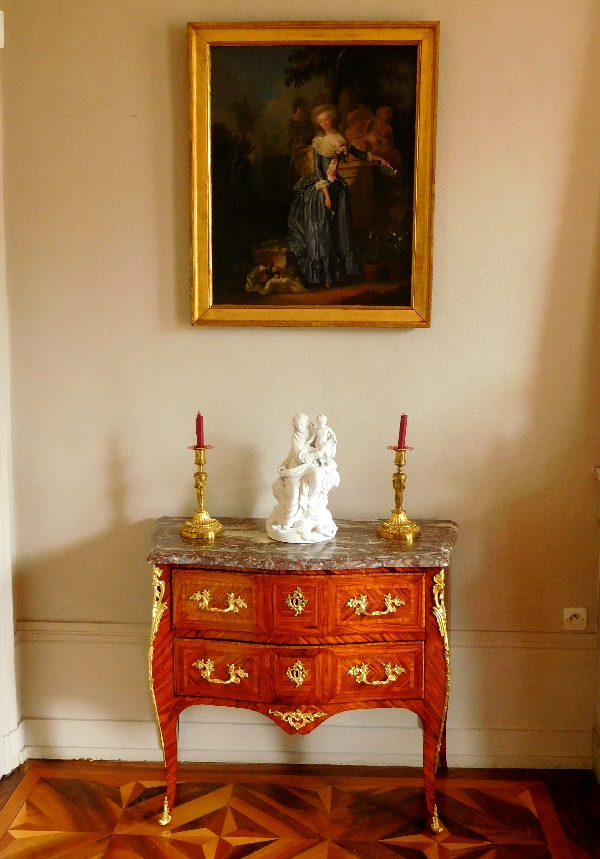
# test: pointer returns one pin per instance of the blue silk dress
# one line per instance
(322, 239)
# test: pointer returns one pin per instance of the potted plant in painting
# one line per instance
(372, 259)
(394, 246)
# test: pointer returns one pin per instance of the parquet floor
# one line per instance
(85, 810)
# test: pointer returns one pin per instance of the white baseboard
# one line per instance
(517, 700)
(11, 754)
(232, 742)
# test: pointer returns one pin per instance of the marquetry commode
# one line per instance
(301, 632)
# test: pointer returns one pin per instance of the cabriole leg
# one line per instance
(160, 664)
(430, 739)
(168, 726)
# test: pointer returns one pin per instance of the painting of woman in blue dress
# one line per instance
(305, 210)
(320, 231)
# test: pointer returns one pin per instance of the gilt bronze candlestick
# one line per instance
(201, 526)
(399, 526)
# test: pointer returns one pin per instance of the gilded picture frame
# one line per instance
(312, 163)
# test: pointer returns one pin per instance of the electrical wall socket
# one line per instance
(574, 619)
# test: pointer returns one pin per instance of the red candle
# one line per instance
(402, 432)
(199, 430)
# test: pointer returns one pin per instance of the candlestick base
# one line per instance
(201, 527)
(398, 527)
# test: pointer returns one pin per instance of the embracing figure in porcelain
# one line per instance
(303, 484)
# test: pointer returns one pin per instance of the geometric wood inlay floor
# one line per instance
(89, 812)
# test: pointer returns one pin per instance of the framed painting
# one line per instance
(312, 173)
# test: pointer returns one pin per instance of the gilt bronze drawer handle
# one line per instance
(297, 673)
(203, 599)
(205, 667)
(359, 672)
(359, 604)
(297, 602)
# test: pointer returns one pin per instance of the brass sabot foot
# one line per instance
(436, 826)
(165, 817)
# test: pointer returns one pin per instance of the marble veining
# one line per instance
(244, 544)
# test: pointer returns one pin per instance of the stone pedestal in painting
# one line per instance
(359, 176)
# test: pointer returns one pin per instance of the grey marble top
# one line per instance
(244, 544)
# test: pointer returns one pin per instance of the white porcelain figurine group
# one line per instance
(303, 484)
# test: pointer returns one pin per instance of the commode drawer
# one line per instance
(372, 672)
(216, 600)
(298, 675)
(373, 602)
(299, 609)
(222, 669)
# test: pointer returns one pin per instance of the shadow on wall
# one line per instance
(537, 536)
(104, 578)
(68, 677)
